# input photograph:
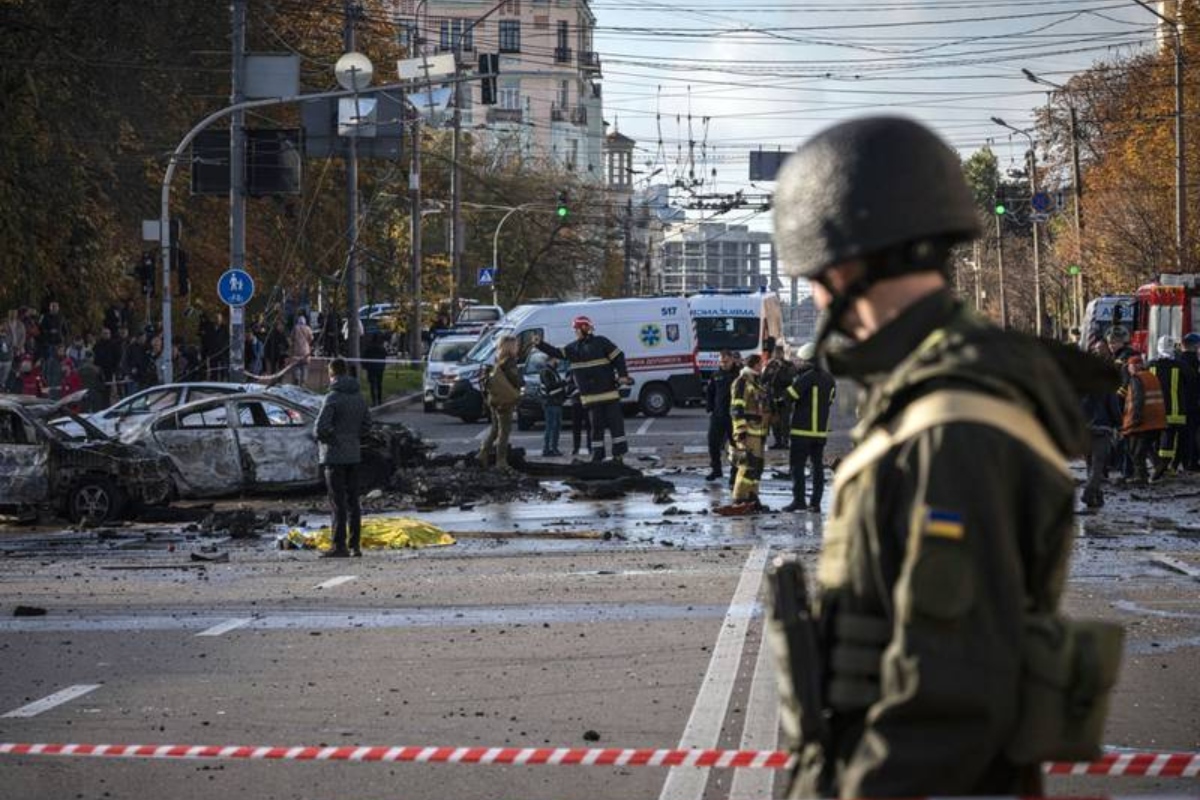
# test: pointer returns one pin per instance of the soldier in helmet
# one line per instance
(929, 563)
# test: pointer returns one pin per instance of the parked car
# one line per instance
(445, 351)
(79, 472)
(475, 319)
(172, 395)
(238, 443)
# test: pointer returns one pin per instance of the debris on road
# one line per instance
(29, 611)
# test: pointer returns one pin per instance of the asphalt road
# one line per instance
(546, 636)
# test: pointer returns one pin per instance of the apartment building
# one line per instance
(713, 255)
(548, 95)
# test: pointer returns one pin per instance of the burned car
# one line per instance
(254, 442)
(79, 472)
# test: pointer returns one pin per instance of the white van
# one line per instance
(744, 321)
(655, 334)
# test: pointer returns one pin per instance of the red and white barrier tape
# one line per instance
(1166, 765)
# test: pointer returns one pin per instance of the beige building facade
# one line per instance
(548, 94)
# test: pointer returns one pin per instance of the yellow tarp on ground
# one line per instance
(378, 533)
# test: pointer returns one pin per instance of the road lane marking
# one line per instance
(644, 428)
(692, 449)
(226, 626)
(643, 451)
(338, 581)
(50, 701)
(712, 702)
(479, 437)
(761, 731)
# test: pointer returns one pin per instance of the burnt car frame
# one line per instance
(253, 442)
(81, 472)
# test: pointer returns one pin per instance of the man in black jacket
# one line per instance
(598, 367)
(720, 421)
(342, 423)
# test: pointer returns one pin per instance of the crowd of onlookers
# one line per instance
(44, 353)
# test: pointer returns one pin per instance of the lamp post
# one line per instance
(1031, 160)
(1076, 179)
(496, 244)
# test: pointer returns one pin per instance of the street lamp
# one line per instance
(496, 245)
(1076, 179)
(1031, 159)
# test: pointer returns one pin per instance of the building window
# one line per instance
(453, 31)
(510, 98)
(406, 33)
(512, 7)
(510, 36)
(564, 29)
(564, 94)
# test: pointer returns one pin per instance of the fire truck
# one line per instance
(1167, 307)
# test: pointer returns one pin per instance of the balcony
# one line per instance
(579, 115)
(589, 61)
(558, 113)
(562, 55)
(504, 115)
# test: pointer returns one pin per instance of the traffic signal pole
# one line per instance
(237, 189)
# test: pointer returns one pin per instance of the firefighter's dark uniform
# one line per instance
(596, 364)
(951, 519)
(1178, 387)
(811, 393)
(717, 397)
(749, 410)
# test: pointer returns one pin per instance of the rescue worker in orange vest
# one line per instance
(1178, 383)
(1145, 418)
(749, 411)
(812, 392)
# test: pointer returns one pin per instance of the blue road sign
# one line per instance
(487, 276)
(235, 288)
(1041, 202)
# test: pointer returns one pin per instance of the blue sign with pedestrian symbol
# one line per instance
(1041, 202)
(235, 288)
(487, 276)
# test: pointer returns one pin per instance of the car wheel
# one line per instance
(656, 400)
(95, 498)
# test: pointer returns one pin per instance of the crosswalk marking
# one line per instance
(50, 701)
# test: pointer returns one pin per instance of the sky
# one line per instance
(731, 76)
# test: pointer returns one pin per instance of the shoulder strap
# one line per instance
(943, 408)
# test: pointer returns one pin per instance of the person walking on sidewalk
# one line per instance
(717, 397)
(812, 393)
(501, 391)
(554, 394)
(342, 422)
(598, 367)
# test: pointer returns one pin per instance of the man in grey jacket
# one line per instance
(342, 423)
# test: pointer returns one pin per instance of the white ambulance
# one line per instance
(655, 334)
(745, 321)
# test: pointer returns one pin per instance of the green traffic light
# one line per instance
(1000, 208)
(563, 211)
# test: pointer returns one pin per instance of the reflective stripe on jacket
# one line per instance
(749, 404)
(1171, 379)
(812, 392)
(1145, 410)
(596, 363)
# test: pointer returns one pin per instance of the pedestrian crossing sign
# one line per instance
(487, 276)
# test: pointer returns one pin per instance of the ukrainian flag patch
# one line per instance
(944, 524)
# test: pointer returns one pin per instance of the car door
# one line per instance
(203, 449)
(24, 461)
(277, 444)
(127, 411)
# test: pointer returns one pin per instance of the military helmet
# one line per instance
(866, 186)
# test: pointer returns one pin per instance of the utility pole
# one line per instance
(1000, 269)
(414, 202)
(627, 278)
(237, 188)
(349, 42)
(1077, 191)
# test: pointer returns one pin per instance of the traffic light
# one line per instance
(1001, 207)
(562, 209)
(145, 272)
(489, 66)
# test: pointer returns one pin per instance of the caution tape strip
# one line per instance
(1166, 765)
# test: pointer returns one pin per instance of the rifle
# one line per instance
(793, 636)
